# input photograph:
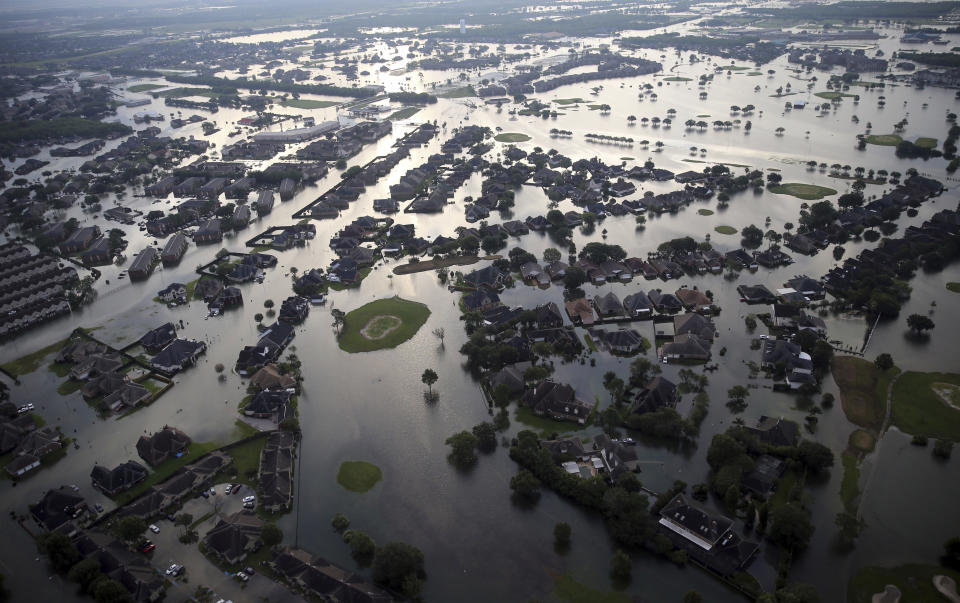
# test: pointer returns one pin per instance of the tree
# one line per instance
(790, 527)
(797, 593)
(362, 547)
(110, 591)
(620, 565)
(561, 534)
(574, 277)
(919, 323)
(338, 319)
(551, 254)
(268, 304)
(130, 528)
(439, 333)
(463, 445)
(59, 549)
(641, 371)
(270, 534)
(943, 449)
(399, 567)
(340, 522)
(692, 596)
(951, 554)
(85, 573)
(815, 456)
(486, 436)
(429, 377)
(751, 236)
(884, 362)
(525, 486)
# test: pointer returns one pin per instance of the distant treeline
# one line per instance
(744, 48)
(223, 84)
(34, 130)
(863, 10)
(942, 59)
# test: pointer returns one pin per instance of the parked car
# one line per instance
(242, 577)
(175, 570)
(154, 528)
(98, 507)
(249, 571)
(147, 546)
(247, 499)
(205, 494)
(250, 505)
(228, 489)
(236, 488)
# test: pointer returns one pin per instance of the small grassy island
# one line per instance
(807, 192)
(358, 476)
(724, 229)
(884, 140)
(381, 324)
(511, 137)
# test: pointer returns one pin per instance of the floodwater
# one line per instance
(478, 545)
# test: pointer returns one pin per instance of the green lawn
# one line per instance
(511, 137)
(832, 95)
(926, 142)
(69, 386)
(808, 192)
(918, 410)
(953, 286)
(306, 103)
(184, 91)
(849, 488)
(25, 365)
(361, 274)
(523, 414)
(727, 230)
(464, 92)
(885, 140)
(914, 581)
(246, 460)
(568, 589)
(677, 78)
(568, 101)
(705, 212)
(358, 476)
(412, 316)
(862, 390)
(590, 344)
(404, 113)
(145, 87)
(166, 469)
(785, 485)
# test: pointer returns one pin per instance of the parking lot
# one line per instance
(197, 569)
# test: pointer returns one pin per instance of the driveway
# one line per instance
(200, 571)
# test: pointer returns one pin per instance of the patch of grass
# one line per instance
(60, 369)
(705, 212)
(734, 68)
(566, 588)
(677, 78)
(829, 95)
(464, 92)
(849, 487)
(568, 101)
(511, 137)
(182, 92)
(411, 314)
(926, 143)
(590, 343)
(727, 230)
(785, 485)
(918, 410)
(306, 103)
(915, 582)
(807, 192)
(954, 287)
(25, 365)
(380, 325)
(857, 379)
(404, 113)
(544, 425)
(246, 460)
(884, 140)
(69, 386)
(166, 469)
(145, 87)
(358, 476)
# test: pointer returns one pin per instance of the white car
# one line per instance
(153, 528)
(248, 499)
(228, 489)
(242, 577)
(764, 337)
